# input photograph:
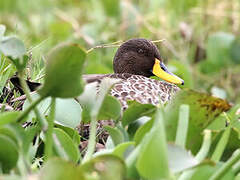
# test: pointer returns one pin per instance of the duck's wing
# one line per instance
(89, 78)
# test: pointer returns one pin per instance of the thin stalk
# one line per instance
(226, 166)
(236, 167)
(182, 128)
(221, 145)
(92, 139)
(49, 137)
(24, 85)
(29, 108)
(200, 155)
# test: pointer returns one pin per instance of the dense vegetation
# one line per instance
(194, 137)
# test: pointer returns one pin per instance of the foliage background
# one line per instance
(201, 37)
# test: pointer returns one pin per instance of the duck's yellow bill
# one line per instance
(160, 70)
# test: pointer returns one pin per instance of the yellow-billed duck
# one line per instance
(134, 63)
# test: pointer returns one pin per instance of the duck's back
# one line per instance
(139, 88)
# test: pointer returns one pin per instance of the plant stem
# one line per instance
(49, 138)
(226, 166)
(182, 128)
(92, 139)
(25, 113)
(221, 145)
(24, 85)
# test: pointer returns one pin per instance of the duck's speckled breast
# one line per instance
(142, 89)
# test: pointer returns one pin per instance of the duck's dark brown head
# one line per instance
(141, 57)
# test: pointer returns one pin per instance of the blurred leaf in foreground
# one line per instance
(104, 167)
(59, 169)
(12, 46)
(63, 71)
(204, 109)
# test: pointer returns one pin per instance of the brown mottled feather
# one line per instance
(136, 87)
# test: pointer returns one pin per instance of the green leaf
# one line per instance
(110, 109)
(60, 169)
(135, 111)
(152, 161)
(205, 172)
(116, 134)
(64, 146)
(8, 153)
(203, 110)
(218, 51)
(14, 131)
(121, 149)
(63, 71)
(235, 53)
(72, 133)
(12, 46)
(141, 132)
(111, 7)
(104, 167)
(8, 117)
(68, 111)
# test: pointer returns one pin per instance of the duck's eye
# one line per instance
(140, 51)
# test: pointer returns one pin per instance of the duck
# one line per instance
(135, 61)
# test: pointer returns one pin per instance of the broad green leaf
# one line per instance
(8, 117)
(121, 149)
(218, 51)
(116, 135)
(133, 127)
(205, 172)
(71, 132)
(235, 53)
(135, 111)
(63, 71)
(203, 110)
(222, 120)
(8, 153)
(68, 111)
(64, 146)
(60, 169)
(12, 46)
(152, 160)
(142, 131)
(14, 131)
(111, 7)
(110, 109)
(104, 167)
